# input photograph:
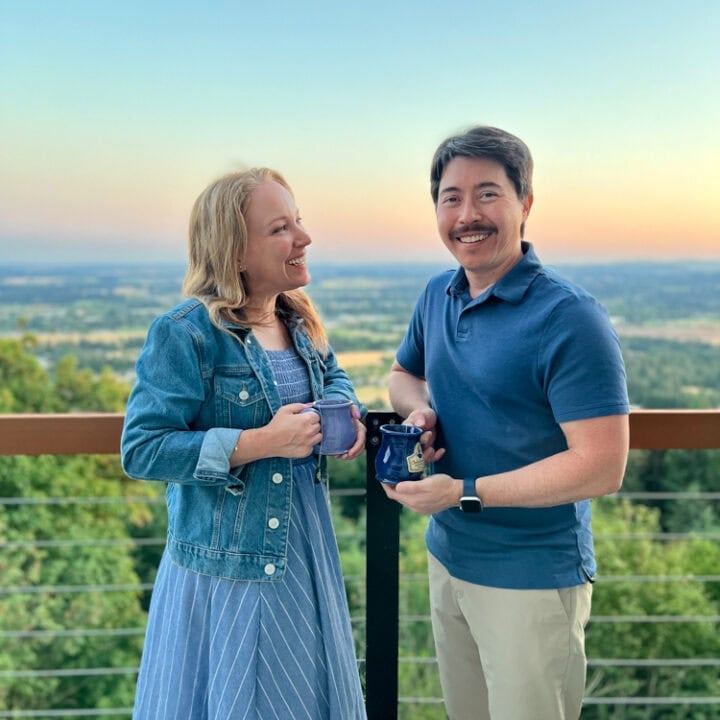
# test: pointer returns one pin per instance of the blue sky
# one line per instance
(116, 116)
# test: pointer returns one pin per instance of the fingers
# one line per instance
(427, 438)
(415, 419)
(359, 445)
(425, 419)
(430, 455)
(294, 409)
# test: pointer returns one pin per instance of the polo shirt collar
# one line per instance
(510, 287)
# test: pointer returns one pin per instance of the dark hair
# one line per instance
(491, 143)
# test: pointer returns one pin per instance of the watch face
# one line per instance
(469, 501)
(470, 504)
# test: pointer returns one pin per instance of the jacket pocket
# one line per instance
(239, 399)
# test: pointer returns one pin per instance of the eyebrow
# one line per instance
(279, 218)
(479, 186)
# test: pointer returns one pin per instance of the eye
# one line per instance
(487, 195)
(450, 199)
(280, 228)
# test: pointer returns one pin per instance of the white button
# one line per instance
(275, 381)
(273, 523)
(244, 395)
(277, 478)
(269, 569)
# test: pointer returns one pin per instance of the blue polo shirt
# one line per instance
(503, 370)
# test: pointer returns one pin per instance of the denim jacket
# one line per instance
(197, 386)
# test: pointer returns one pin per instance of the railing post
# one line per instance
(382, 585)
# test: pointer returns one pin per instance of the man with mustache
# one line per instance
(516, 376)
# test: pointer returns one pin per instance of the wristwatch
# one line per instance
(470, 502)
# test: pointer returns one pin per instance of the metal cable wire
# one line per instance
(72, 712)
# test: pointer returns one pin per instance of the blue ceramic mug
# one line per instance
(337, 426)
(399, 457)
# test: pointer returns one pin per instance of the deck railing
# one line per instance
(74, 434)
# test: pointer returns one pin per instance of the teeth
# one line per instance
(297, 261)
(473, 238)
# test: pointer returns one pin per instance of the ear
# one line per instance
(527, 205)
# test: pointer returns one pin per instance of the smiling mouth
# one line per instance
(296, 261)
(470, 239)
(472, 233)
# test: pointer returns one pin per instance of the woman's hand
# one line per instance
(359, 445)
(291, 433)
(294, 432)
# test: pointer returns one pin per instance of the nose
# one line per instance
(302, 237)
(469, 211)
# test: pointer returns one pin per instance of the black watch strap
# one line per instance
(470, 502)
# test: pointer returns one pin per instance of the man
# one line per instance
(518, 375)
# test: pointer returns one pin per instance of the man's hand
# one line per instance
(427, 496)
(426, 420)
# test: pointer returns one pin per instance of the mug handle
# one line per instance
(316, 411)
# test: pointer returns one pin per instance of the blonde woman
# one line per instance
(249, 617)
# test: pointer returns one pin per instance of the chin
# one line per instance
(300, 282)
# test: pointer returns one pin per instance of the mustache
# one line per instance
(476, 228)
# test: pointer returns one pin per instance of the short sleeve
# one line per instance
(581, 362)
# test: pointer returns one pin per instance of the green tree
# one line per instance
(676, 471)
(620, 555)
(57, 548)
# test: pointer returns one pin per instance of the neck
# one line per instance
(263, 313)
(480, 280)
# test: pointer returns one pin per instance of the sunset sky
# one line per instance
(115, 115)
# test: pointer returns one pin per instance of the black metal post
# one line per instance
(382, 586)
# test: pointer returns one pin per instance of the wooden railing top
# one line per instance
(99, 433)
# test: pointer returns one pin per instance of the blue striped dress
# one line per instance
(218, 649)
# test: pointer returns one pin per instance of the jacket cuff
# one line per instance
(214, 460)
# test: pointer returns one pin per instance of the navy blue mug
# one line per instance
(400, 455)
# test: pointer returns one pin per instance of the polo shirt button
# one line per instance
(244, 395)
(277, 478)
(273, 523)
(269, 569)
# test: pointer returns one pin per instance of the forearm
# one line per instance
(407, 392)
(593, 465)
(556, 480)
(253, 444)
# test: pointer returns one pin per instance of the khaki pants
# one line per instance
(509, 654)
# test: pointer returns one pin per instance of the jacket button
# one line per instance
(277, 478)
(269, 569)
(244, 395)
(273, 523)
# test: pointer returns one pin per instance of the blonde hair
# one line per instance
(217, 242)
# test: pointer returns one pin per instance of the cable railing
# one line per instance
(384, 619)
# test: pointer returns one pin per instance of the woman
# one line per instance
(249, 617)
